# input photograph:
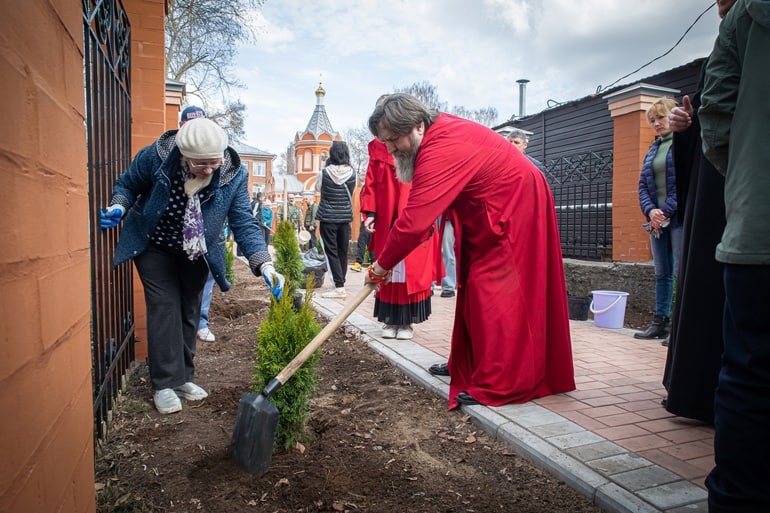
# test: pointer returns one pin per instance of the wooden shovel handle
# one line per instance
(325, 333)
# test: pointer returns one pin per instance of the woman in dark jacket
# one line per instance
(177, 194)
(336, 183)
(657, 198)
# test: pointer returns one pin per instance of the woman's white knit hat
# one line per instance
(201, 139)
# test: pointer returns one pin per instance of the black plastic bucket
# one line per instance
(578, 307)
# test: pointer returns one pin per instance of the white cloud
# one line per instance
(472, 51)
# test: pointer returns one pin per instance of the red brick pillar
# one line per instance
(175, 93)
(632, 138)
(148, 107)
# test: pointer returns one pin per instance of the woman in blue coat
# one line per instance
(657, 198)
(176, 196)
(267, 219)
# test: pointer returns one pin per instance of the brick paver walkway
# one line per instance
(623, 448)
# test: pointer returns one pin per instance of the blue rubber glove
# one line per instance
(110, 217)
(274, 280)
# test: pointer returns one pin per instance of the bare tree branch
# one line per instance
(201, 45)
(427, 93)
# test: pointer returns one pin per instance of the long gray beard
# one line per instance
(405, 167)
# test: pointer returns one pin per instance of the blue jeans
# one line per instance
(449, 281)
(208, 291)
(742, 400)
(666, 251)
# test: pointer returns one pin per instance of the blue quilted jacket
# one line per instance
(144, 190)
(648, 194)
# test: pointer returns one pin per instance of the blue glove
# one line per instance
(274, 280)
(110, 217)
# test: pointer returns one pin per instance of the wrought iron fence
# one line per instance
(582, 191)
(106, 33)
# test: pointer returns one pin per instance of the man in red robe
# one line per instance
(510, 340)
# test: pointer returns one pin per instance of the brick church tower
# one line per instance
(311, 147)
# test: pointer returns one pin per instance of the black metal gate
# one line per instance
(582, 193)
(106, 33)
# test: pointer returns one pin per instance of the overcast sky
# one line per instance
(473, 51)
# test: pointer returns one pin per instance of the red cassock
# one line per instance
(510, 340)
(386, 196)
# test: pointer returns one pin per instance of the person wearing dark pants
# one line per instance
(742, 399)
(363, 241)
(735, 122)
(172, 283)
(336, 183)
(335, 237)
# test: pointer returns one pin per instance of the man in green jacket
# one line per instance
(735, 124)
(309, 222)
(294, 213)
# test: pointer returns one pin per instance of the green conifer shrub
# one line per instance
(288, 257)
(229, 258)
(280, 338)
(285, 332)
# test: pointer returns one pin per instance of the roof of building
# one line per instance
(293, 183)
(552, 104)
(319, 122)
(251, 151)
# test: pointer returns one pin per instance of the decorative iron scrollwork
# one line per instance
(109, 28)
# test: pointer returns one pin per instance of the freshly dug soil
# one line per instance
(376, 442)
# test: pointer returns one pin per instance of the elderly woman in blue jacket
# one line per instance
(657, 198)
(177, 194)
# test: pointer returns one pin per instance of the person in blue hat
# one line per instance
(190, 113)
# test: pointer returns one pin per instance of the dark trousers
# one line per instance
(173, 286)
(313, 239)
(742, 401)
(336, 238)
(363, 240)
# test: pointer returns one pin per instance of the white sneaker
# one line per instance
(338, 293)
(205, 335)
(166, 401)
(388, 331)
(191, 392)
(404, 333)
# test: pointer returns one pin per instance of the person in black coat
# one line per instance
(695, 345)
(336, 183)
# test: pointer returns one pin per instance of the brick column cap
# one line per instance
(636, 98)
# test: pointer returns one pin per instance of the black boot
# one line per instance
(658, 329)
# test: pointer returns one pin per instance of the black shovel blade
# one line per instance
(254, 433)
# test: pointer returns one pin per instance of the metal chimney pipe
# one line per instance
(522, 96)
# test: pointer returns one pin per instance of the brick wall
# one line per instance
(46, 437)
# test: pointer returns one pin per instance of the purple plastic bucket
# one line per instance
(609, 308)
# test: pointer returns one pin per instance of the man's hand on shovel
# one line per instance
(376, 275)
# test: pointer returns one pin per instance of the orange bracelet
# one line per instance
(376, 278)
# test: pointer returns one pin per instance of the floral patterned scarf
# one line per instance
(193, 235)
